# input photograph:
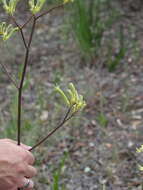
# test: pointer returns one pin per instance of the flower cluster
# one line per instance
(68, 1)
(139, 150)
(72, 99)
(6, 31)
(36, 6)
(10, 6)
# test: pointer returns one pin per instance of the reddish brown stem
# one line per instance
(13, 80)
(24, 73)
(42, 14)
(22, 81)
(48, 11)
(65, 119)
(29, 19)
(21, 31)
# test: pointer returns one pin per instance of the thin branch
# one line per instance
(9, 76)
(23, 38)
(29, 19)
(32, 31)
(65, 119)
(42, 14)
(21, 31)
(22, 81)
(48, 11)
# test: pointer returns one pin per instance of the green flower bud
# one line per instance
(140, 167)
(139, 150)
(73, 99)
(62, 95)
(67, 1)
(36, 5)
(10, 6)
(6, 31)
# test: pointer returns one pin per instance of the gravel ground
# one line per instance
(99, 157)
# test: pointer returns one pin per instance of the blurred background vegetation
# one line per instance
(97, 45)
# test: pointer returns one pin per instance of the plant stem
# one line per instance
(48, 11)
(65, 119)
(21, 31)
(29, 19)
(13, 80)
(22, 81)
(42, 14)
(27, 47)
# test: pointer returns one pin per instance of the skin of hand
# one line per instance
(15, 165)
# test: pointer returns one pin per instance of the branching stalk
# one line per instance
(22, 81)
(41, 15)
(48, 11)
(35, 18)
(11, 78)
(65, 119)
(21, 31)
(19, 86)
(29, 19)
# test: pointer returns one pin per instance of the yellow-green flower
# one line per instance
(36, 5)
(140, 168)
(10, 6)
(68, 1)
(6, 31)
(139, 150)
(72, 98)
(61, 92)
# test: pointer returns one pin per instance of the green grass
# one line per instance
(81, 22)
(89, 25)
(58, 174)
(102, 120)
(114, 61)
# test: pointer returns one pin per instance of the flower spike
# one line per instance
(10, 6)
(72, 99)
(68, 1)
(36, 6)
(140, 150)
(6, 31)
(61, 92)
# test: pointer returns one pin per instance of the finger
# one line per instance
(15, 188)
(26, 182)
(21, 144)
(10, 140)
(26, 147)
(29, 158)
(30, 172)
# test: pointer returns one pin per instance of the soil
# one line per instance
(99, 156)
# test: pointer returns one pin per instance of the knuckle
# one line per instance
(23, 154)
(30, 157)
(6, 140)
(9, 140)
(33, 171)
(21, 168)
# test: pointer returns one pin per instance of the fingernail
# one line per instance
(28, 147)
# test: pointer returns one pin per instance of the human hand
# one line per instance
(16, 168)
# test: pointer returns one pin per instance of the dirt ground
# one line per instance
(99, 157)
